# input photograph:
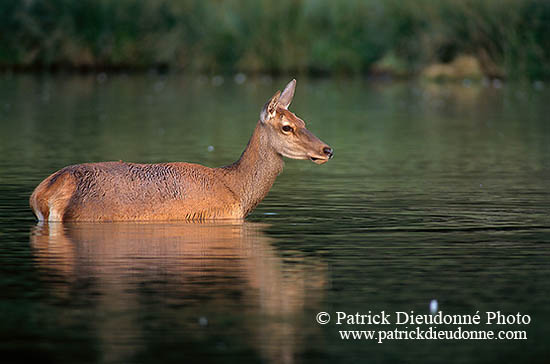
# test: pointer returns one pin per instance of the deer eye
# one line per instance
(287, 128)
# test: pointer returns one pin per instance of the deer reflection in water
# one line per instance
(178, 272)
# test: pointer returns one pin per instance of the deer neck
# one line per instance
(252, 176)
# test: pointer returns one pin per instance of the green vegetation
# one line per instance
(508, 38)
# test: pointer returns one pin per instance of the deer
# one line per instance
(122, 191)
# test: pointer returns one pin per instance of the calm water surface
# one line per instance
(435, 192)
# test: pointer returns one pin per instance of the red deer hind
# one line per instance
(119, 191)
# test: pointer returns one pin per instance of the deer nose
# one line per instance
(328, 151)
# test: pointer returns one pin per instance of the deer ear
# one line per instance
(288, 94)
(270, 108)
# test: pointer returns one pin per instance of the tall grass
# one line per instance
(510, 38)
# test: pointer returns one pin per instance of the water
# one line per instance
(435, 192)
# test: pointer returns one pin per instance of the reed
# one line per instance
(509, 38)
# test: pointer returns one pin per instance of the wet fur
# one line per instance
(128, 191)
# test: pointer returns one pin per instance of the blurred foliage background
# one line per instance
(492, 38)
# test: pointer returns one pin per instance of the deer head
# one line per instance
(287, 132)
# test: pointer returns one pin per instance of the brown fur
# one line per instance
(118, 191)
